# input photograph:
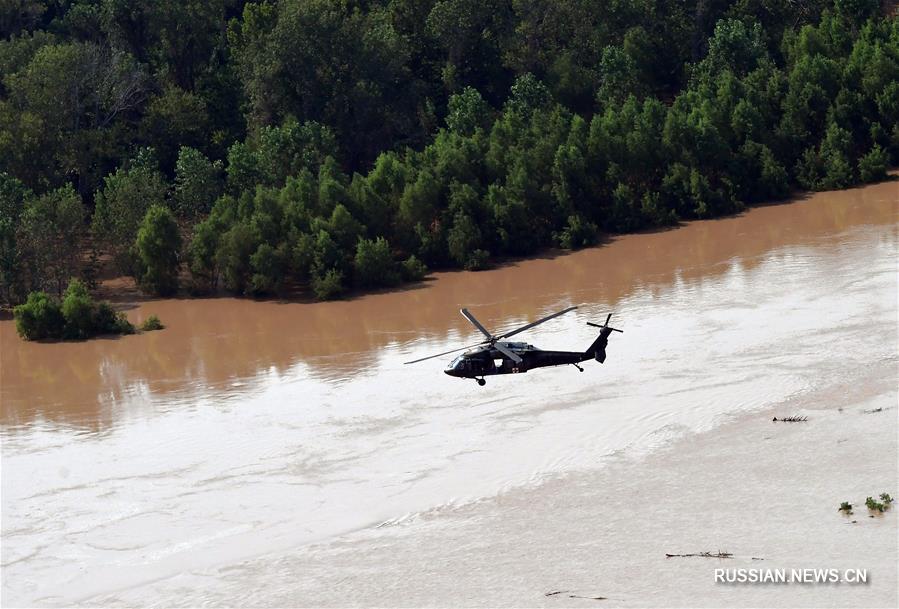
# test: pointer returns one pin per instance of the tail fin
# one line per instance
(598, 348)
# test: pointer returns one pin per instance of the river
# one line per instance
(247, 429)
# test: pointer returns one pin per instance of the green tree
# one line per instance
(157, 249)
(467, 112)
(464, 242)
(527, 94)
(619, 77)
(374, 265)
(68, 105)
(578, 233)
(735, 47)
(13, 276)
(175, 118)
(288, 54)
(328, 284)
(872, 167)
(198, 183)
(232, 257)
(268, 266)
(122, 204)
(413, 269)
(49, 237)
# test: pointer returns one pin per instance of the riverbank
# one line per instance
(123, 289)
(765, 492)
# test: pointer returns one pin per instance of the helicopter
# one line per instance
(494, 355)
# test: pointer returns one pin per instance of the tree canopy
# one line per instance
(275, 145)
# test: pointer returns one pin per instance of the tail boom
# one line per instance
(597, 350)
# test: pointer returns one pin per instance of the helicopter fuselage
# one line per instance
(487, 360)
(496, 356)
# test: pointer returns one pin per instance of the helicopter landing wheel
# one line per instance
(481, 382)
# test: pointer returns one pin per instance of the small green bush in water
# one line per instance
(151, 323)
(77, 317)
(846, 507)
(108, 321)
(874, 505)
(79, 311)
(40, 317)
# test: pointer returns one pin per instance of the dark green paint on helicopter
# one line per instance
(496, 356)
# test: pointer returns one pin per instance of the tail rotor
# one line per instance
(598, 348)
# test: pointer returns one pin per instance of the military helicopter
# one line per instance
(497, 356)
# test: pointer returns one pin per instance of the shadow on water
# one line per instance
(211, 344)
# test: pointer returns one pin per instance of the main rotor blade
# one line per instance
(536, 323)
(415, 361)
(467, 314)
(508, 353)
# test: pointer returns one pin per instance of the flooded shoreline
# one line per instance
(338, 338)
(249, 428)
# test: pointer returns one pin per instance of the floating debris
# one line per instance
(793, 419)
(719, 554)
(570, 595)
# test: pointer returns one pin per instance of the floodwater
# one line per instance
(247, 429)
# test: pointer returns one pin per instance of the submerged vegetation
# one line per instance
(76, 317)
(879, 506)
(151, 323)
(871, 503)
(265, 147)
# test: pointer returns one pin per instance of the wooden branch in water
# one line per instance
(719, 554)
(792, 419)
(592, 598)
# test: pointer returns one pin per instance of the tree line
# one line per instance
(264, 147)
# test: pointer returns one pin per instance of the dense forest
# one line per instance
(267, 148)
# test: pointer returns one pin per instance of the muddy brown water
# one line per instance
(247, 428)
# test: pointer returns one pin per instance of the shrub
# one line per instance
(478, 260)
(873, 166)
(328, 285)
(874, 505)
(577, 234)
(151, 323)
(77, 317)
(413, 269)
(846, 507)
(108, 321)
(79, 311)
(39, 318)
